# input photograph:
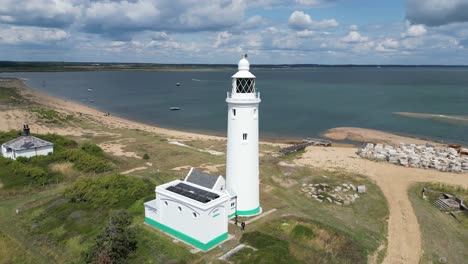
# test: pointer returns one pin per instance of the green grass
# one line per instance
(442, 235)
(12, 252)
(298, 240)
(269, 249)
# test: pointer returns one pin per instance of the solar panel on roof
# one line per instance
(193, 193)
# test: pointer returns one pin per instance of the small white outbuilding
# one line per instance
(26, 146)
(194, 210)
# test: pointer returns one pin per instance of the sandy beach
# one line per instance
(404, 238)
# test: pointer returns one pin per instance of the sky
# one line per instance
(220, 31)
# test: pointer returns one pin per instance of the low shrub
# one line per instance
(116, 191)
(302, 232)
(92, 149)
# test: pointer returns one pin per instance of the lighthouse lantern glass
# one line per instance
(245, 85)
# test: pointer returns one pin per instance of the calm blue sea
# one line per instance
(296, 102)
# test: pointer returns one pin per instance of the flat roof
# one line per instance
(193, 193)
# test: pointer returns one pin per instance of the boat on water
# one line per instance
(174, 108)
(177, 84)
(91, 101)
(90, 90)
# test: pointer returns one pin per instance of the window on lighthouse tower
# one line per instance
(245, 85)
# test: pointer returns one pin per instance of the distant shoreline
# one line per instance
(32, 66)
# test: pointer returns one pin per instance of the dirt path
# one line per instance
(404, 237)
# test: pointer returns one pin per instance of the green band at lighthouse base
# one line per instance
(188, 239)
(252, 212)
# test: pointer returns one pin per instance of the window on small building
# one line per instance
(165, 203)
(234, 112)
(180, 208)
(233, 204)
(195, 215)
(244, 136)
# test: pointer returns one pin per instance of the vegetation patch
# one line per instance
(116, 243)
(444, 240)
(298, 240)
(111, 190)
(80, 222)
(51, 116)
(10, 96)
(269, 250)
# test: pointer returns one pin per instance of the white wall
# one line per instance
(242, 172)
(220, 184)
(33, 152)
(5, 153)
(208, 224)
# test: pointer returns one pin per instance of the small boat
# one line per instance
(91, 101)
(174, 108)
(177, 84)
(90, 90)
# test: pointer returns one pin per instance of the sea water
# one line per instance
(296, 102)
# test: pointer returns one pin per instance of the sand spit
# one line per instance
(433, 116)
(365, 135)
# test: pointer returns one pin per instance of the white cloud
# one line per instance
(222, 38)
(112, 17)
(415, 31)
(300, 20)
(354, 37)
(31, 35)
(387, 45)
(353, 28)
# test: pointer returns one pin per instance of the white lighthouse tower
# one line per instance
(242, 171)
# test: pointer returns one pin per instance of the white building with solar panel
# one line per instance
(26, 146)
(196, 210)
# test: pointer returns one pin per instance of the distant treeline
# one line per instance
(7, 66)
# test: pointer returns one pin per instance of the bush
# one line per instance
(116, 243)
(92, 149)
(83, 161)
(302, 232)
(146, 157)
(117, 191)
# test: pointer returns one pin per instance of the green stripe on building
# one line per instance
(186, 238)
(249, 212)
